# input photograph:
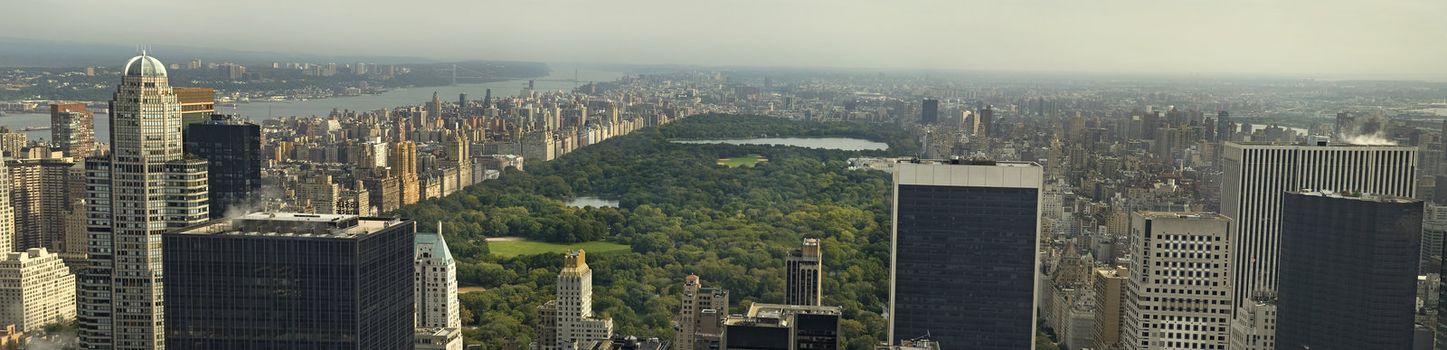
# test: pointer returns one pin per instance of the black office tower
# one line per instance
(1348, 271)
(964, 259)
(290, 281)
(929, 111)
(232, 149)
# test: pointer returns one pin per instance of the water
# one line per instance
(592, 202)
(837, 143)
(16, 121)
(560, 79)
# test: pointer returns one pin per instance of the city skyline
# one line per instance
(1384, 40)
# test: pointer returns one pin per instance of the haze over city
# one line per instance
(1331, 39)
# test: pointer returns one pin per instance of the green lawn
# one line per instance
(516, 248)
(747, 161)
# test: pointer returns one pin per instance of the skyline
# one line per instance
(1392, 40)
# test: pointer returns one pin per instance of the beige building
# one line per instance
(1179, 290)
(37, 289)
(573, 325)
(47, 196)
(700, 318)
(438, 314)
(1109, 297)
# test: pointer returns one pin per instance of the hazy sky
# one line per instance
(1324, 38)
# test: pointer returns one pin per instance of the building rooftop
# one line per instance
(294, 225)
(1182, 215)
(1369, 197)
(145, 66)
(1314, 144)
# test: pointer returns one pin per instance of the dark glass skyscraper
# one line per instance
(964, 256)
(291, 281)
(232, 148)
(929, 111)
(1348, 271)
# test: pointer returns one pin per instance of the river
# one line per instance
(560, 79)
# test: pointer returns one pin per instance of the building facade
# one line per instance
(291, 281)
(1110, 305)
(804, 274)
(47, 195)
(701, 316)
(232, 149)
(978, 224)
(573, 325)
(783, 327)
(1178, 295)
(72, 129)
(36, 289)
(1348, 271)
(435, 291)
(143, 188)
(1258, 174)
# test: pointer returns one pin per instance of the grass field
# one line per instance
(520, 247)
(746, 161)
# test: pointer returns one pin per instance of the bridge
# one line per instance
(476, 76)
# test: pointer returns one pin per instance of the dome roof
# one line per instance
(145, 66)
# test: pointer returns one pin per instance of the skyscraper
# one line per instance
(72, 129)
(9, 238)
(47, 200)
(1178, 295)
(805, 274)
(570, 322)
(232, 149)
(144, 187)
(1348, 271)
(964, 255)
(1256, 176)
(291, 281)
(929, 111)
(700, 318)
(435, 289)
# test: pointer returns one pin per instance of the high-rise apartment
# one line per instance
(36, 289)
(1110, 304)
(1348, 271)
(10, 239)
(291, 281)
(72, 129)
(804, 272)
(435, 290)
(700, 318)
(232, 149)
(143, 188)
(1258, 174)
(1178, 294)
(964, 255)
(572, 324)
(47, 197)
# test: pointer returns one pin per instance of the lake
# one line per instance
(592, 202)
(836, 143)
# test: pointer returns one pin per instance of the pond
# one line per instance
(592, 202)
(836, 143)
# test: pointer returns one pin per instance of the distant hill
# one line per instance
(17, 52)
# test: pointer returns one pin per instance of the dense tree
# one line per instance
(680, 213)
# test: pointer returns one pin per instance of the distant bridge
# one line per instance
(468, 74)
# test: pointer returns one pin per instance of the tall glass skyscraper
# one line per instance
(964, 255)
(1348, 271)
(144, 187)
(291, 281)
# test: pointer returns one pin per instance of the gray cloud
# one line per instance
(1325, 38)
